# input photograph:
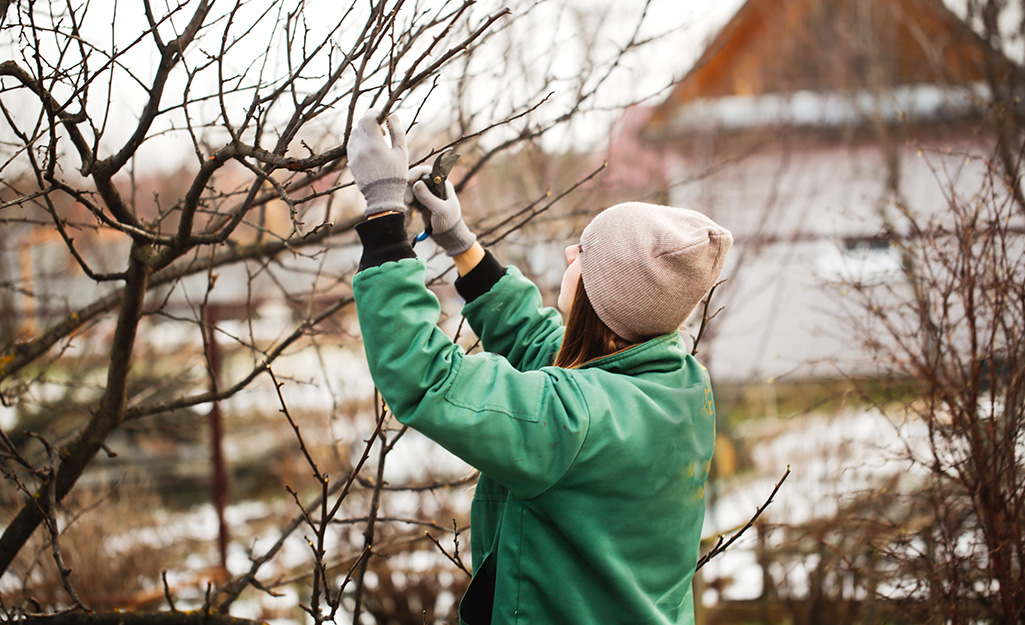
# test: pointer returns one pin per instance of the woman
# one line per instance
(593, 438)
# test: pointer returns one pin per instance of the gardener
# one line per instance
(593, 438)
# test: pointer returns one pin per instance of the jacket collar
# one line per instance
(662, 353)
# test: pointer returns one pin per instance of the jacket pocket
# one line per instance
(479, 599)
(488, 383)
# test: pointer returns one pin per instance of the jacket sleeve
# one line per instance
(523, 429)
(511, 321)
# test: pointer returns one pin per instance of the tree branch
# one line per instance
(719, 547)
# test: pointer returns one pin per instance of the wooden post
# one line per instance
(219, 483)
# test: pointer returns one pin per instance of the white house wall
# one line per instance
(797, 216)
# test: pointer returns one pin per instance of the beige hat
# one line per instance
(645, 267)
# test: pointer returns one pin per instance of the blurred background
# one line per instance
(187, 420)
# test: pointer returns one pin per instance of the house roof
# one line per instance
(782, 47)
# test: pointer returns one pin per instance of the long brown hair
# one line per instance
(587, 337)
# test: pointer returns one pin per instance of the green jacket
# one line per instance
(590, 501)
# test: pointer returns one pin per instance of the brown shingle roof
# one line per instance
(784, 46)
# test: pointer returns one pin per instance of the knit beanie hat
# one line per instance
(646, 267)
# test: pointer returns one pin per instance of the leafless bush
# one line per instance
(943, 542)
(956, 330)
(112, 568)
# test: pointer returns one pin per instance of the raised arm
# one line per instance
(479, 407)
(523, 429)
(503, 307)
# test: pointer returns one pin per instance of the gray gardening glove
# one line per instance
(449, 231)
(380, 171)
(415, 173)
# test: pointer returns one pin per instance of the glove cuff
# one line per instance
(384, 239)
(386, 194)
(456, 239)
(481, 278)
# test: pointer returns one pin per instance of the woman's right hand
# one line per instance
(449, 231)
(377, 167)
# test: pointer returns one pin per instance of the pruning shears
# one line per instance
(435, 182)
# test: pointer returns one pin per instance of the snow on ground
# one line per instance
(8, 417)
(832, 458)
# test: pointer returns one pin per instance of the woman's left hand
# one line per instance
(379, 170)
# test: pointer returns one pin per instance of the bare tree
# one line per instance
(947, 541)
(245, 108)
(954, 337)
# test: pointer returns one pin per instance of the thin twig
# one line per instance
(534, 212)
(375, 500)
(451, 558)
(167, 591)
(720, 547)
(320, 477)
(50, 518)
(345, 582)
(705, 317)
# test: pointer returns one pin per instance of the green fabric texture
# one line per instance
(591, 499)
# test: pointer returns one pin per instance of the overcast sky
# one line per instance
(683, 27)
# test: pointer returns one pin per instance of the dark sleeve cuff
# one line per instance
(384, 239)
(481, 278)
